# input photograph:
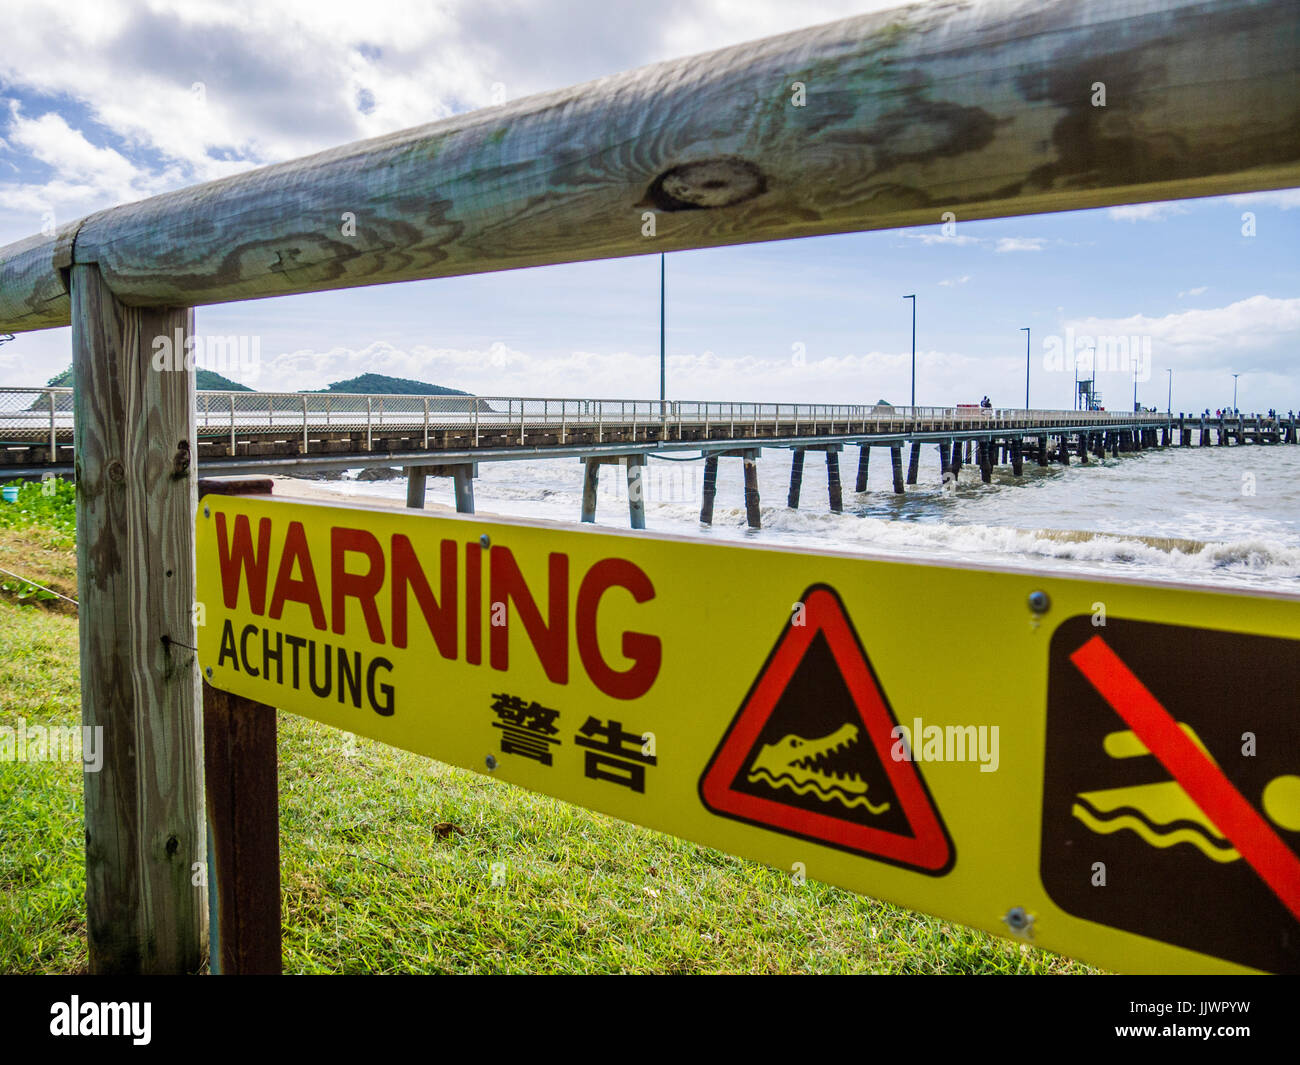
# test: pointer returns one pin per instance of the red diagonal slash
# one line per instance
(1203, 781)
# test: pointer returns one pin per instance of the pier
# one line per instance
(304, 432)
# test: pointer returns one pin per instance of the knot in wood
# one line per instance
(705, 184)
(181, 460)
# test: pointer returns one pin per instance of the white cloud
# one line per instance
(168, 95)
(1247, 335)
(1284, 199)
(953, 281)
(955, 240)
(1193, 291)
(1006, 244)
(1146, 212)
(502, 370)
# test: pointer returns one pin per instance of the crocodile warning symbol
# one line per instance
(809, 751)
(1172, 790)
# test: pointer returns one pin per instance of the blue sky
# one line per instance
(106, 102)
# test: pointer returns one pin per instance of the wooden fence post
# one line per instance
(243, 795)
(145, 913)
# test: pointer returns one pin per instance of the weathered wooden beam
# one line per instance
(241, 778)
(243, 796)
(887, 119)
(139, 673)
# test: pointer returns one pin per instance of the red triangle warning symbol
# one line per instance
(809, 751)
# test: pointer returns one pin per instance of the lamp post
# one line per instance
(1234, 392)
(1135, 388)
(1025, 329)
(1169, 404)
(662, 381)
(913, 299)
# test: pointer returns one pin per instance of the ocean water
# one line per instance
(1223, 516)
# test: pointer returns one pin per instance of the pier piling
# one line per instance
(636, 490)
(751, 490)
(710, 489)
(864, 455)
(463, 485)
(796, 479)
(833, 481)
(415, 484)
(590, 485)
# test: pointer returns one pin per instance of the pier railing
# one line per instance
(45, 416)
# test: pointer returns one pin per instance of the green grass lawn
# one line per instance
(388, 860)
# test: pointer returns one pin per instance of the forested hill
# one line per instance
(382, 384)
(205, 380)
(373, 384)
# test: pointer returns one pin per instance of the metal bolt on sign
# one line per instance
(1018, 920)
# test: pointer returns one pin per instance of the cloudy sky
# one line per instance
(106, 101)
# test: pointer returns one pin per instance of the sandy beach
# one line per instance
(322, 492)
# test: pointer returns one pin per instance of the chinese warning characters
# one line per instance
(612, 753)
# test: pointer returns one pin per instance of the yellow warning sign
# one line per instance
(985, 745)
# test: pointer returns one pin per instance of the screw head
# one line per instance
(1017, 919)
(485, 540)
(208, 671)
(207, 513)
(1039, 602)
(491, 762)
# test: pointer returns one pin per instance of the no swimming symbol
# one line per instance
(1193, 809)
